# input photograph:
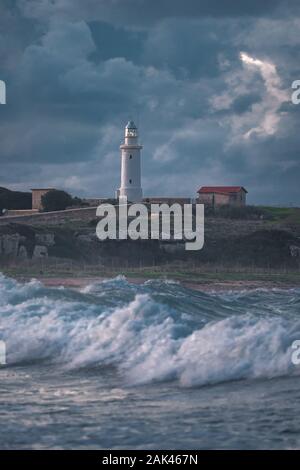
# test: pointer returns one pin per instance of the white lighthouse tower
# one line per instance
(131, 166)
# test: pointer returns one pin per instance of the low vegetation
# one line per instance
(285, 214)
(56, 200)
(10, 200)
(242, 213)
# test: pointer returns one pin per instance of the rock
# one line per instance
(87, 238)
(22, 252)
(9, 244)
(40, 252)
(172, 248)
(46, 239)
(295, 251)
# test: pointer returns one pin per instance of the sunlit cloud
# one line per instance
(267, 111)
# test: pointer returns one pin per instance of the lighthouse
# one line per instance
(131, 166)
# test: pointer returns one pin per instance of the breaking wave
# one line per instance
(155, 331)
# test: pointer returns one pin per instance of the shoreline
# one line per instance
(207, 280)
(200, 285)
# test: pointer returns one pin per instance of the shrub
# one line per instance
(238, 212)
(56, 200)
(14, 200)
(245, 212)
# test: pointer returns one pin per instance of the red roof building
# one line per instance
(222, 195)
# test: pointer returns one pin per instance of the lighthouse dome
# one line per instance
(131, 125)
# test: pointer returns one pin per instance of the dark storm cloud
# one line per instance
(243, 103)
(191, 48)
(141, 12)
(114, 41)
(76, 71)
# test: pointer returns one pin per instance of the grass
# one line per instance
(283, 214)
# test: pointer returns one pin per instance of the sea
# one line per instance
(155, 365)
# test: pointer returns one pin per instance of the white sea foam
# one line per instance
(145, 339)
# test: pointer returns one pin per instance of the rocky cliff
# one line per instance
(261, 243)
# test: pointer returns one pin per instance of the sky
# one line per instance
(208, 83)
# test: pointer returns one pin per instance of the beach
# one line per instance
(203, 285)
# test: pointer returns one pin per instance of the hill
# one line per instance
(14, 200)
(262, 238)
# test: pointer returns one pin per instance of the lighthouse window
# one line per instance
(130, 157)
(130, 181)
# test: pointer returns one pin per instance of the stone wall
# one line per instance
(37, 195)
(221, 199)
(205, 198)
(167, 200)
(214, 199)
(17, 212)
(53, 218)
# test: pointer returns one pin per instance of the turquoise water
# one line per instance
(151, 366)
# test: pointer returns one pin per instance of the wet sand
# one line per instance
(207, 286)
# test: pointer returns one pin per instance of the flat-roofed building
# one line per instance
(222, 195)
(37, 194)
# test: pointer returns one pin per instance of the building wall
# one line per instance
(222, 199)
(37, 198)
(131, 173)
(216, 199)
(131, 187)
(243, 198)
(238, 199)
(205, 198)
